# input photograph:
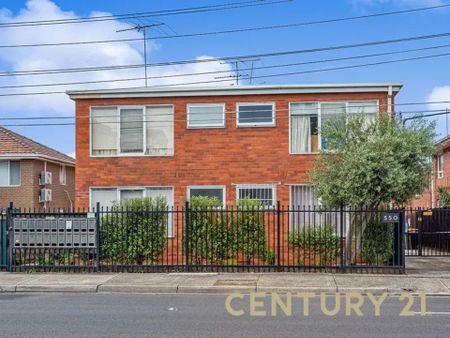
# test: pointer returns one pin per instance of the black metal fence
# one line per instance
(428, 232)
(218, 239)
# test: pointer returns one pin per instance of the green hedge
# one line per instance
(209, 235)
(134, 231)
(377, 242)
(316, 240)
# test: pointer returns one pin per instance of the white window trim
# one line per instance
(258, 124)
(119, 153)
(9, 175)
(440, 173)
(62, 174)
(319, 120)
(170, 232)
(208, 187)
(261, 186)
(205, 125)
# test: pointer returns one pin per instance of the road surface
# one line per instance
(189, 315)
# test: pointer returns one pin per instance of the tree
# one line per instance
(370, 164)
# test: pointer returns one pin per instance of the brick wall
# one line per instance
(27, 194)
(223, 156)
(23, 195)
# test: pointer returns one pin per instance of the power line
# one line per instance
(53, 84)
(155, 123)
(180, 11)
(231, 31)
(271, 54)
(74, 117)
(261, 76)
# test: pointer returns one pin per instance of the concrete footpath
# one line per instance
(222, 283)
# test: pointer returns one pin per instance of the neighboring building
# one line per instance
(229, 142)
(33, 175)
(441, 169)
(440, 177)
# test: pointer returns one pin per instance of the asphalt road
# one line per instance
(178, 315)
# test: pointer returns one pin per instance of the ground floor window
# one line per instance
(107, 196)
(266, 193)
(208, 191)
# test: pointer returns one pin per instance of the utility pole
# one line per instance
(143, 28)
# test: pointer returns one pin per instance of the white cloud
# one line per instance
(439, 94)
(72, 154)
(77, 56)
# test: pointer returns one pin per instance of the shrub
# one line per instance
(377, 242)
(209, 234)
(248, 227)
(134, 231)
(319, 240)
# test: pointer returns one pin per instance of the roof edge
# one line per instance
(22, 156)
(234, 90)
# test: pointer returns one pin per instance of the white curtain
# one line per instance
(104, 130)
(131, 130)
(300, 134)
(159, 130)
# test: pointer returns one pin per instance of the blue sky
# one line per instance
(423, 80)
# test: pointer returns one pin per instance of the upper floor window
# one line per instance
(133, 130)
(440, 166)
(205, 115)
(9, 173)
(306, 119)
(62, 175)
(255, 114)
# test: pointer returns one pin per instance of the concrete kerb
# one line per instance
(215, 283)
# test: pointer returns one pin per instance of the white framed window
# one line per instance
(107, 196)
(304, 128)
(256, 114)
(307, 118)
(9, 173)
(207, 115)
(132, 131)
(217, 191)
(266, 193)
(62, 175)
(302, 196)
(440, 166)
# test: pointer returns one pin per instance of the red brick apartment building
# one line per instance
(229, 142)
(33, 175)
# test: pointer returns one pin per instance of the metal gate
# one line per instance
(428, 232)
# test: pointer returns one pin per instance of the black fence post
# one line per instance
(97, 237)
(278, 236)
(341, 227)
(9, 236)
(186, 235)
